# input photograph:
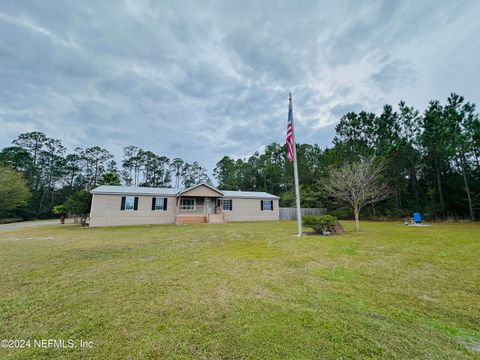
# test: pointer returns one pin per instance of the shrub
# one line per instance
(321, 224)
(59, 209)
(79, 204)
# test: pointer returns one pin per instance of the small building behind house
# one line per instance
(202, 203)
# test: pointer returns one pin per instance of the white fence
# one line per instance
(291, 213)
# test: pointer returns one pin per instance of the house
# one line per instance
(202, 203)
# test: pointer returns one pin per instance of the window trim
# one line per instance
(270, 205)
(229, 202)
(133, 203)
(188, 209)
(162, 202)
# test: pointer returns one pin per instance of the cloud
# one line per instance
(203, 80)
(394, 74)
(28, 24)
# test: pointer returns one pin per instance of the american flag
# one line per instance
(289, 140)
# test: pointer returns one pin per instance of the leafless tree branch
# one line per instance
(356, 185)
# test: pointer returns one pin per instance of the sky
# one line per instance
(204, 79)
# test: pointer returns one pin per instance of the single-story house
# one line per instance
(202, 203)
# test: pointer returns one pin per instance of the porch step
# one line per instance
(191, 219)
(215, 218)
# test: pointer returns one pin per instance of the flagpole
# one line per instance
(295, 175)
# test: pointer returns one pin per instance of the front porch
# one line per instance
(197, 210)
(199, 205)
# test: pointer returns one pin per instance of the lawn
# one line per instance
(244, 290)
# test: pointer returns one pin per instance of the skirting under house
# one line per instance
(202, 203)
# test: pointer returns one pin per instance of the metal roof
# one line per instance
(133, 190)
(249, 195)
(140, 190)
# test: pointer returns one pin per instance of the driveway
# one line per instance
(28, 224)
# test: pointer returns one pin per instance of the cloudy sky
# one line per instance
(203, 79)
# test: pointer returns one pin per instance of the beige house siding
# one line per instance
(250, 210)
(106, 211)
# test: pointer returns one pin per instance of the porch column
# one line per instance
(220, 206)
(205, 206)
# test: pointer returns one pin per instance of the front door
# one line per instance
(209, 206)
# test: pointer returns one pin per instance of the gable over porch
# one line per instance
(199, 204)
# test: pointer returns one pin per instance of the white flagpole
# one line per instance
(295, 175)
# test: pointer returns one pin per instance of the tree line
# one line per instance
(51, 175)
(432, 164)
(431, 161)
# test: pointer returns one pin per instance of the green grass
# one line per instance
(245, 290)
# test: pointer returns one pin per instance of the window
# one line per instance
(187, 204)
(266, 205)
(227, 204)
(129, 202)
(159, 203)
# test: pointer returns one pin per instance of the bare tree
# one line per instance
(357, 184)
